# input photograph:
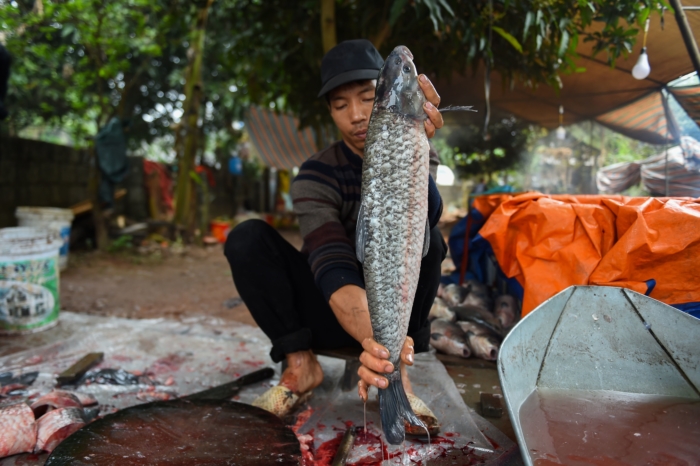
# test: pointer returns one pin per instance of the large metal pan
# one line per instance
(601, 375)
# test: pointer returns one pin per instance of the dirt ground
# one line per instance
(196, 282)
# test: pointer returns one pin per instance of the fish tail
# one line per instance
(394, 408)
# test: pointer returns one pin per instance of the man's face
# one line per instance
(351, 106)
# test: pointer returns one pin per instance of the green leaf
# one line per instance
(447, 7)
(539, 42)
(528, 22)
(195, 177)
(513, 41)
(642, 18)
(580, 69)
(563, 43)
(67, 30)
(396, 9)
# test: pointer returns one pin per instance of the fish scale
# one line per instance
(395, 184)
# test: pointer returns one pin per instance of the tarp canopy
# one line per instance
(548, 243)
(689, 98)
(647, 119)
(586, 95)
(683, 172)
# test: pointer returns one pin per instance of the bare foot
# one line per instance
(303, 372)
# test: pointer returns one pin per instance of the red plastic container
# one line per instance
(220, 230)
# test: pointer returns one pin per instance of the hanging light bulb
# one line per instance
(642, 69)
(561, 132)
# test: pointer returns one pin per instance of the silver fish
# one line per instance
(392, 226)
(440, 310)
(506, 310)
(448, 338)
(480, 339)
(454, 294)
(480, 316)
(478, 295)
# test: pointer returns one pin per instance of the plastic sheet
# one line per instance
(332, 411)
(177, 358)
(548, 243)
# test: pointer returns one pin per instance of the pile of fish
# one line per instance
(466, 320)
(46, 423)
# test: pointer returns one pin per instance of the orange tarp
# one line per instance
(549, 243)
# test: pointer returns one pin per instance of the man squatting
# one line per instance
(315, 299)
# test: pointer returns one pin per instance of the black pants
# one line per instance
(275, 282)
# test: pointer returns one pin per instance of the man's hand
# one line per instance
(375, 361)
(434, 120)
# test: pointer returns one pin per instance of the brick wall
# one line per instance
(40, 174)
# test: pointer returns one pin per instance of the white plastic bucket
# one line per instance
(52, 218)
(29, 280)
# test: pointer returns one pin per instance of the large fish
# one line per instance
(392, 226)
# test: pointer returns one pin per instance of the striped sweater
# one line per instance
(326, 196)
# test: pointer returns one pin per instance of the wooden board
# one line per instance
(182, 432)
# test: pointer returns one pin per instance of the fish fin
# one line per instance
(426, 239)
(360, 235)
(394, 408)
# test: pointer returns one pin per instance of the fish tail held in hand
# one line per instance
(394, 408)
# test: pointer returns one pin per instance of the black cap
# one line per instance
(351, 60)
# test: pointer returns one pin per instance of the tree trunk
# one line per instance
(101, 235)
(190, 117)
(328, 34)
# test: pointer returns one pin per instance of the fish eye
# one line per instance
(406, 69)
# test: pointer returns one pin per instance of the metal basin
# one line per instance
(601, 375)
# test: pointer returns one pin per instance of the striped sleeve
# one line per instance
(317, 198)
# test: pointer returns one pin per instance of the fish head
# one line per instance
(397, 88)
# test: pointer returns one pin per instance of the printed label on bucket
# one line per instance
(28, 294)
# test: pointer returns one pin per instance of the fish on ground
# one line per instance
(506, 310)
(113, 377)
(440, 310)
(478, 295)
(480, 340)
(454, 294)
(448, 338)
(54, 400)
(27, 378)
(393, 233)
(44, 424)
(471, 293)
(12, 389)
(56, 426)
(17, 430)
(479, 316)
